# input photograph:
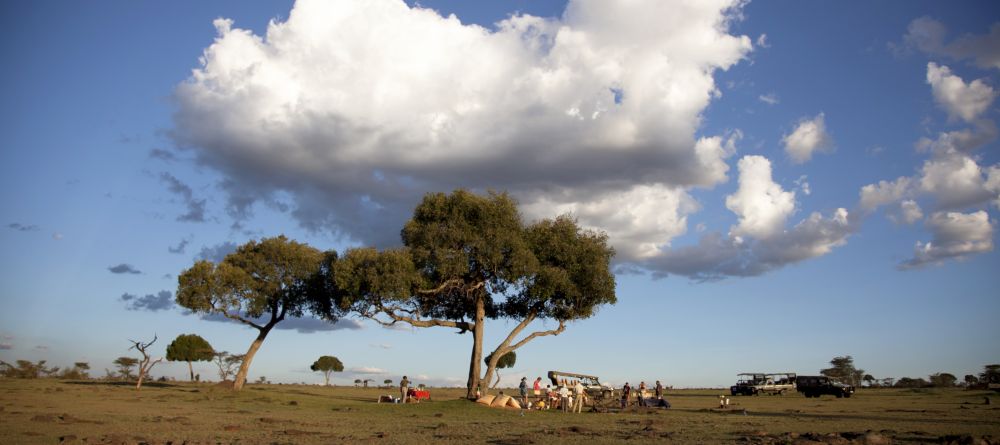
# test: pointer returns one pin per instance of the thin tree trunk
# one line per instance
(496, 382)
(191, 370)
(327, 375)
(241, 375)
(475, 366)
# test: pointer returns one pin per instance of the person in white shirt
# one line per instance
(578, 406)
(564, 398)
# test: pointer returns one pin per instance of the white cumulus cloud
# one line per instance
(810, 136)
(352, 110)
(955, 236)
(761, 204)
(961, 100)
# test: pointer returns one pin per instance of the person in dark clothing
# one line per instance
(626, 392)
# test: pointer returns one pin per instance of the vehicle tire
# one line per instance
(840, 395)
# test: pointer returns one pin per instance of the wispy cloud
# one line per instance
(770, 98)
(181, 245)
(23, 227)
(195, 207)
(124, 268)
(163, 300)
(216, 253)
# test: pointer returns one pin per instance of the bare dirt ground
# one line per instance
(55, 411)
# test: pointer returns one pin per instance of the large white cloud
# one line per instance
(761, 204)
(353, 109)
(959, 99)
(955, 236)
(955, 180)
(810, 136)
(760, 241)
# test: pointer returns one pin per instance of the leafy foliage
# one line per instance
(125, 365)
(327, 364)
(273, 278)
(25, 369)
(469, 258)
(943, 380)
(842, 369)
(190, 348)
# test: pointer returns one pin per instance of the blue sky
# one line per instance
(733, 154)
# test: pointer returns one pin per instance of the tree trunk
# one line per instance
(475, 366)
(191, 370)
(327, 375)
(241, 375)
(142, 372)
(494, 383)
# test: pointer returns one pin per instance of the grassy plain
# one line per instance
(55, 411)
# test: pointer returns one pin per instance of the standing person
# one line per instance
(523, 387)
(642, 393)
(537, 388)
(626, 390)
(659, 390)
(578, 406)
(404, 388)
(564, 398)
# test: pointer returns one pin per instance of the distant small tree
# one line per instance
(147, 362)
(907, 382)
(125, 365)
(357, 383)
(842, 368)
(190, 348)
(365, 382)
(421, 386)
(943, 380)
(869, 379)
(261, 380)
(27, 370)
(990, 374)
(227, 363)
(971, 380)
(506, 361)
(77, 372)
(327, 364)
(387, 382)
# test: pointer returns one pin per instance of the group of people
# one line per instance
(572, 395)
(642, 395)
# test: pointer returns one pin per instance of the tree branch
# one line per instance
(241, 320)
(413, 321)
(557, 331)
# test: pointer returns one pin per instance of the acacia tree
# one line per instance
(507, 361)
(462, 251)
(842, 368)
(327, 364)
(125, 365)
(258, 285)
(468, 258)
(190, 348)
(227, 363)
(571, 281)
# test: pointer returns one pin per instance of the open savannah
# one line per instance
(65, 411)
(353, 221)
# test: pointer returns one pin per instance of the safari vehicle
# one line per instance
(600, 397)
(815, 386)
(756, 383)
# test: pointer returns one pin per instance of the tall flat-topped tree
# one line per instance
(461, 251)
(571, 281)
(258, 285)
(468, 258)
(190, 348)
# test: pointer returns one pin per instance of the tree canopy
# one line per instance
(327, 364)
(468, 258)
(842, 368)
(258, 285)
(190, 348)
(507, 361)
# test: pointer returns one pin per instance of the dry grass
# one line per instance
(53, 411)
